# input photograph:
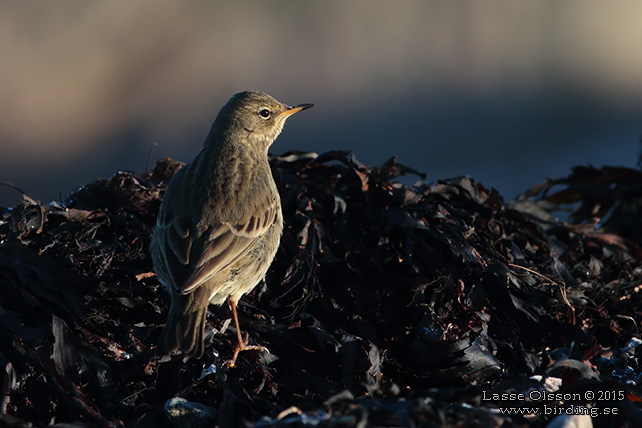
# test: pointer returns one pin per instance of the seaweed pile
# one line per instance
(387, 304)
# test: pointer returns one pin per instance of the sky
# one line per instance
(507, 92)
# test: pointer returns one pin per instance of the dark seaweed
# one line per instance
(387, 304)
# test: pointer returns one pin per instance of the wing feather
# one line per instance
(191, 258)
(228, 243)
(179, 240)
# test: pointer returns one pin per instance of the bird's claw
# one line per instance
(244, 347)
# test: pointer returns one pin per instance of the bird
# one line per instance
(220, 222)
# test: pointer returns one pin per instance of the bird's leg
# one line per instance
(242, 344)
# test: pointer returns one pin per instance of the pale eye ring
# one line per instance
(265, 113)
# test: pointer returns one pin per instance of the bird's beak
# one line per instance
(295, 109)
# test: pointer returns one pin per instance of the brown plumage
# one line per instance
(220, 221)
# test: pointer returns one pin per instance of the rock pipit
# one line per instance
(220, 221)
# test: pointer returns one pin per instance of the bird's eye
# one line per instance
(264, 113)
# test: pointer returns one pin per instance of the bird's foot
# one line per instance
(243, 346)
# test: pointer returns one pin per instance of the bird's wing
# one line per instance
(227, 242)
(190, 259)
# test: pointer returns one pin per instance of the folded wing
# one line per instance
(191, 258)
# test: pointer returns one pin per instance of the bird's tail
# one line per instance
(185, 324)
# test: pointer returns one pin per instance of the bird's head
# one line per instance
(256, 116)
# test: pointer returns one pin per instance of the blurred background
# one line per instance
(507, 92)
